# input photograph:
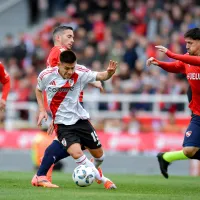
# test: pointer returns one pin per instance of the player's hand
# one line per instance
(151, 61)
(42, 115)
(50, 129)
(112, 67)
(98, 85)
(161, 48)
(2, 105)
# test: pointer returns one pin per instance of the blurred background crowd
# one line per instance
(122, 30)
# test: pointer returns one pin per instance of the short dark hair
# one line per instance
(60, 29)
(193, 34)
(67, 57)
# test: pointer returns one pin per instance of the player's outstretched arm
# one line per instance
(103, 76)
(42, 111)
(186, 58)
(151, 61)
(173, 67)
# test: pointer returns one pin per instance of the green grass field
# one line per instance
(16, 186)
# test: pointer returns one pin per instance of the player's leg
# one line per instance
(53, 154)
(98, 156)
(71, 142)
(97, 159)
(191, 145)
(90, 139)
(166, 158)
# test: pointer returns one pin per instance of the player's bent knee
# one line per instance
(75, 150)
(189, 151)
(100, 158)
(97, 153)
(76, 155)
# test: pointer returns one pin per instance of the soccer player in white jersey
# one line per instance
(63, 85)
(63, 37)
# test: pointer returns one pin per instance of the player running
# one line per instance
(70, 118)
(63, 37)
(188, 64)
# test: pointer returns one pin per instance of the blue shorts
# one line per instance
(192, 134)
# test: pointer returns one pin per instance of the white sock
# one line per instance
(98, 161)
(83, 160)
(104, 179)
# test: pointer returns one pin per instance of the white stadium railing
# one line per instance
(91, 104)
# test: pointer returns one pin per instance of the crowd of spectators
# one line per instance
(121, 30)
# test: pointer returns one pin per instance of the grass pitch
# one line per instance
(16, 186)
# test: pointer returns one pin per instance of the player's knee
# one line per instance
(100, 154)
(189, 151)
(76, 154)
(97, 153)
(100, 158)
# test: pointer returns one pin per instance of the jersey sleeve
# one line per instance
(88, 76)
(53, 58)
(186, 58)
(173, 67)
(41, 83)
(4, 77)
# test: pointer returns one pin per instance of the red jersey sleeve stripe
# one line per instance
(47, 72)
(83, 69)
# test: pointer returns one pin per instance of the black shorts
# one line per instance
(81, 132)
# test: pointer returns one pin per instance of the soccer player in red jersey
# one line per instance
(188, 64)
(5, 80)
(63, 38)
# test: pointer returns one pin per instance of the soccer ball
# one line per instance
(83, 176)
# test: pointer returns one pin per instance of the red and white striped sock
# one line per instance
(98, 161)
(83, 160)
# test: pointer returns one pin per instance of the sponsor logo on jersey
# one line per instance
(193, 76)
(188, 133)
(62, 89)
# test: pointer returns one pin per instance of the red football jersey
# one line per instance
(189, 65)
(5, 80)
(54, 55)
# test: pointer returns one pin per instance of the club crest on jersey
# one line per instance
(52, 83)
(188, 133)
(64, 142)
(71, 82)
